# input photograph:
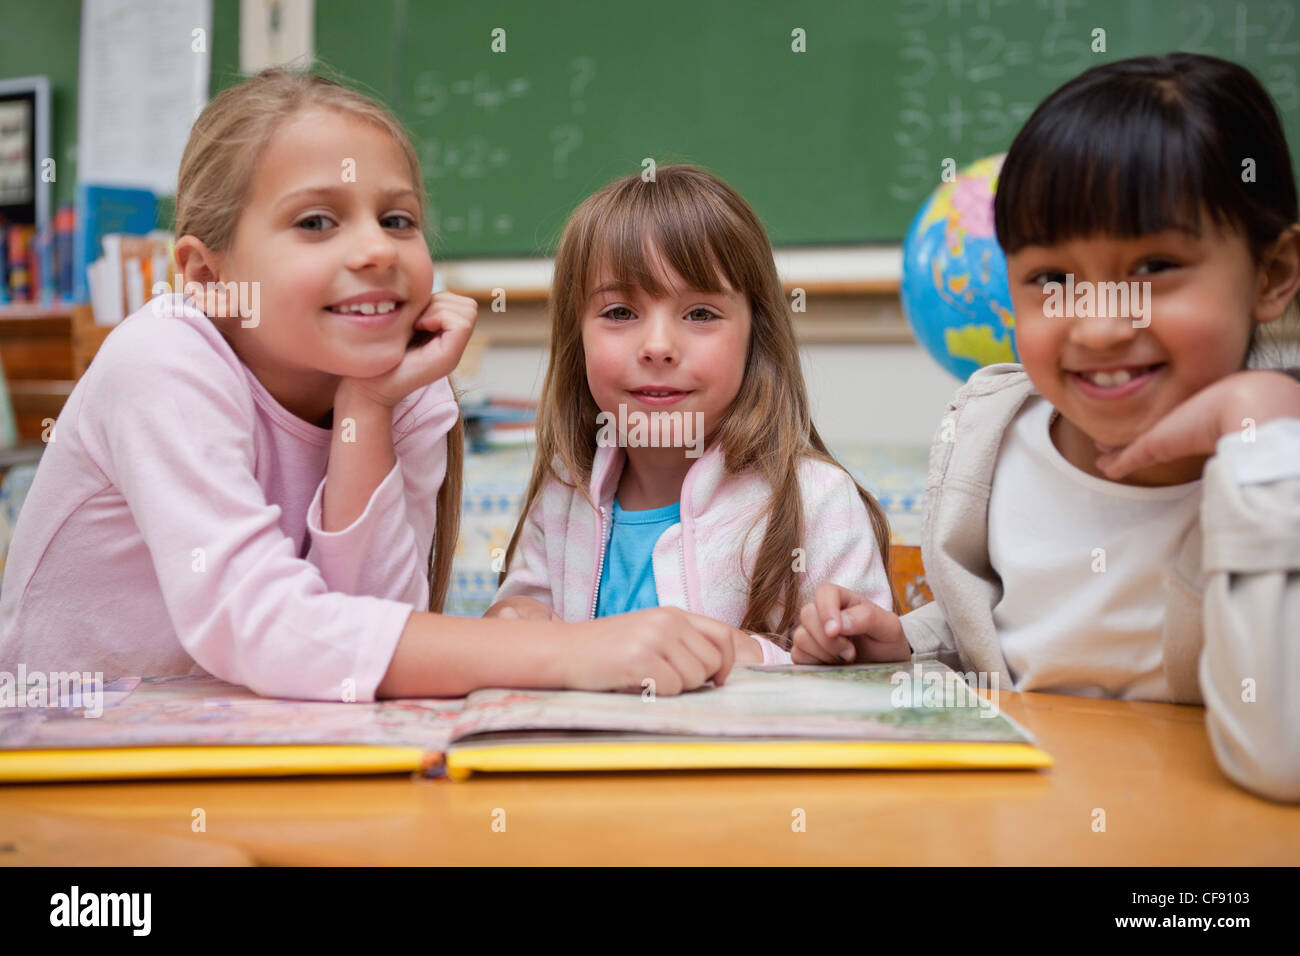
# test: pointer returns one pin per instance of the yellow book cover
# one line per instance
(918, 715)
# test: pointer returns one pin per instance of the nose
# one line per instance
(659, 345)
(373, 247)
(1101, 332)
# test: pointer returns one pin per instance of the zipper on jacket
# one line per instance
(600, 566)
(681, 563)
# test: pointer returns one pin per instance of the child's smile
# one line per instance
(659, 395)
(1112, 382)
(369, 310)
(1113, 376)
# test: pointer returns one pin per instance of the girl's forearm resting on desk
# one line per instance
(439, 656)
(748, 648)
(443, 656)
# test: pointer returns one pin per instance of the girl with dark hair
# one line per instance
(1120, 515)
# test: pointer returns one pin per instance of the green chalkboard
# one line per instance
(839, 143)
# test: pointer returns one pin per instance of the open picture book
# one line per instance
(906, 715)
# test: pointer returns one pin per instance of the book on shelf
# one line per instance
(124, 279)
(103, 210)
(36, 267)
(500, 423)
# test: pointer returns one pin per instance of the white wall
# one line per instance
(877, 394)
(859, 393)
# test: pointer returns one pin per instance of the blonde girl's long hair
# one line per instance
(215, 176)
(707, 233)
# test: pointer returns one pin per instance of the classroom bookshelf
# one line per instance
(44, 350)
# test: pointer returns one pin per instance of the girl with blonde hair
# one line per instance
(260, 479)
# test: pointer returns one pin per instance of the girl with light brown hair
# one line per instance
(677, 461)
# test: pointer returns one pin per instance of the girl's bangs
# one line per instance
(1126, 162)
(646, 228)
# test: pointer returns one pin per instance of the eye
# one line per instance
(701, 314)
(403, 221)
(1153, 265)
(1041, 279)
(306, 223)
(618, 313)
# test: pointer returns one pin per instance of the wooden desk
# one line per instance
(1148, 766)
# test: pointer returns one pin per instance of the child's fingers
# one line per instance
(439, 356)
(871, 620)
(446, 306)
(875, 623)
(1192, 428)
(879, 633)
(443, 316)
(462, 304)
(508, 613)
(663, 679)
(444, 327)
(703, 649)
(689, 660)
(723, 637)
(830, 599)
(836, 649)
(805, 650)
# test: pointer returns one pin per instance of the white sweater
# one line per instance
(1231, 629)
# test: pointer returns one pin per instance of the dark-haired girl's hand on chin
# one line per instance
(1239, 403)
(442, 331)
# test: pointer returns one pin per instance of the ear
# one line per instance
(1279, 276)
(198, 265)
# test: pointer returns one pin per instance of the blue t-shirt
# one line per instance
(627, 578)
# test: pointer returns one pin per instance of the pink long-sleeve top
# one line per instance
(174, 526)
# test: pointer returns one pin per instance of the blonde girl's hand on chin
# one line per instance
(449, 319)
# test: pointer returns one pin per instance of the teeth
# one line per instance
(365, 308)
(1109, 379)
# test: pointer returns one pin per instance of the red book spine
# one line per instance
(19, 263)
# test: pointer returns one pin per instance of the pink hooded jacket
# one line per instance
(703, 563)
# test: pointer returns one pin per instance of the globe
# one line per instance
(954, 289)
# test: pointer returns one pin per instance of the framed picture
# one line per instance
(24, 147)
